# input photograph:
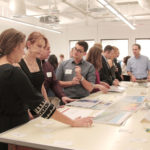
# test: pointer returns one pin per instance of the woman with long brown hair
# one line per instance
(95, 57)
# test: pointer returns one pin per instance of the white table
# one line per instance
(49, 134)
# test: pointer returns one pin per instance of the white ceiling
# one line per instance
(66, 12)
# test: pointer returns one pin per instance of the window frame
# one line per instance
(142, 39)
(117, 39)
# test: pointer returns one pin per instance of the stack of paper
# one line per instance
(134, 99)
(126, 106)
(103, 104)
(116, 89)
(112, 117)
(129, 103)
(118, 112)
(86, 103)
(74, 113)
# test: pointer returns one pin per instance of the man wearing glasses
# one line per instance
(76, 75)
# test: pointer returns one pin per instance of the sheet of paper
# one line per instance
(103, 104)
(86, 103)
(112, 117)
(74, 113)
(116, 89)
(136, 99)
(126, 106)
(97, 113)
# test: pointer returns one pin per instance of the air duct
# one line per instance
(144, 4)
(17, 7)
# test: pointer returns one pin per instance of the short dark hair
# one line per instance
(125, 59)
(53, 61)
(138, 45)
(83, 44)
(108, 48)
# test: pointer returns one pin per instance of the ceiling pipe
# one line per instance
(144, 4)
(17, 7)
(27, 24)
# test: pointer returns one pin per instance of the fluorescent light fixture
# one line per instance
(28, 24)
(103, 2)
(116, 12)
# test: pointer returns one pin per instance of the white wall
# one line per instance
(109, 30)
(102, 30)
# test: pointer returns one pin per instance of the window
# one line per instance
(72, 44)
(122, 45)
(144, 46)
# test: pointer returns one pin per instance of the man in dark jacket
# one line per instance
(105, 72)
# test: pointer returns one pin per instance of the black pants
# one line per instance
(126, 78)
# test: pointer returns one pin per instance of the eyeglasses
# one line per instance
(79, 50)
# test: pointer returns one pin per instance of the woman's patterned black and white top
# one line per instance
(16, 91)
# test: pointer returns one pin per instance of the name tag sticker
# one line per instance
(68, 71)
(49, 74)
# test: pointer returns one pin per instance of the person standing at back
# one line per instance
(138, 66)
(125, 75)
(112, 65)
(61, 57)
(53, 61)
